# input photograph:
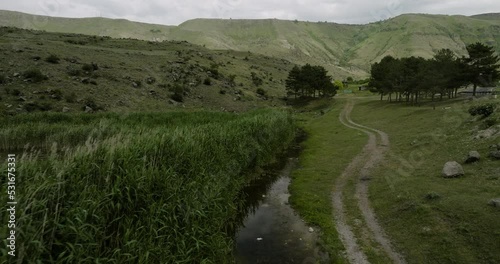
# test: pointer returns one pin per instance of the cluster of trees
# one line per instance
(413, 77)
(310, 81)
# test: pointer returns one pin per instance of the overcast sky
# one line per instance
(174, 12)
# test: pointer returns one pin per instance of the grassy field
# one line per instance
(134, 188)
(328, 149)
(345, 50)
(53, 71)
(432, 219)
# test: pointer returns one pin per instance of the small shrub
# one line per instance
(31, 106)
(52, 59)
(222, 91)
(16, 92)
(432, 196)
(3, 79)
(45, 106)
(261, 91)
(35, 75)
(232, 79)
(491, 121)
(34, 106)
(88, 67)
(74, 72)
(57, 94)
(36, 58)
(482, 110)
(70, 98)
(257, 81)
(177, 97)
(177, 88)
(90, 102)
(207, 81)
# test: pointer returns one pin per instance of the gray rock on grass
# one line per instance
(452, 169)
(495, 202)
(473, 156)
(495, 154)
(88, 109)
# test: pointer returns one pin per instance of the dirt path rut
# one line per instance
(359, 168)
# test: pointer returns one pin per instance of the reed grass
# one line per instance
(139, 188)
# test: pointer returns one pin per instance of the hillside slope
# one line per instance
(343, 49)
(55, 71)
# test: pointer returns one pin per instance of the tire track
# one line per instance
(360, 167)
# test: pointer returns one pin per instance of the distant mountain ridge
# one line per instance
(345, 50)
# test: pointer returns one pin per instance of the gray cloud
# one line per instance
(173, 12)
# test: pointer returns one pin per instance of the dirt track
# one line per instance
(359, 168)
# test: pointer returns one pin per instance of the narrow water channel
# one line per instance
(272, 231)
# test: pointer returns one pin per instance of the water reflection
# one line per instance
(271, 231)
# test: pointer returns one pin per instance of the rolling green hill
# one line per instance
(345, 50)
(44, 71)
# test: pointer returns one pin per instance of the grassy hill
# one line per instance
(345, 50)
(54, 71)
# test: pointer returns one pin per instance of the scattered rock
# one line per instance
(311, 229)
(426, 229)
(16, 74)
(66, 109)
(86, 80)
(260, 239)
(473, 156)
(171, 101)
(495, 202)
(452, 169)
(21, 99)
(488, 133)
(135, 85)
(494, 147)
(495, 154)
(88, 109)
